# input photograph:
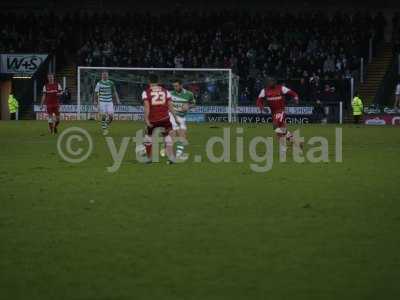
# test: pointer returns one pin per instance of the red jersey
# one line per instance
(52, 92)
(159, 99)
(275, 98)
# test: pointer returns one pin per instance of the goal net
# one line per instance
(215, 90)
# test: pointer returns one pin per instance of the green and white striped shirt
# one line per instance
(180, 99)
(105, 90)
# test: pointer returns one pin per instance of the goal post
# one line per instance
(215, 90)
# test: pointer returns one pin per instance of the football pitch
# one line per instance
(325, 230)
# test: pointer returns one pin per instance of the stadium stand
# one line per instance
(309, 45)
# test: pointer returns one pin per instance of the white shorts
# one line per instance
(106, 107)
(281, 130)
(181, 120)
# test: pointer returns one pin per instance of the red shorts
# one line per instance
(163, 124)
(278, 120)
(53, 109)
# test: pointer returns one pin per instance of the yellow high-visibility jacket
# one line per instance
(12, 104)
(357, 106)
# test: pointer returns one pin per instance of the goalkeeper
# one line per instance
(182, 100)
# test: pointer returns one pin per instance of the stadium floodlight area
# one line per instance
(211, 87)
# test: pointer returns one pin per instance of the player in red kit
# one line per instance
(275, 95)
(157, 108)
(51, 93)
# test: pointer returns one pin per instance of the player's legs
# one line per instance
(175, 125)
(173, 133)
(148, 142)
(50, 118)
(169, 147)
(283, 134)
(291, 139)
(103, 116)
(279, 124)
(110, 113)
(168, 140)
(50, 123)
(284, 137)
(56, 119)
(181, 133)
(180, 146)
(103, 121)
(110, 118)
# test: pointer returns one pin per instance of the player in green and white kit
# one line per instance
(182, 100)
(104, 91)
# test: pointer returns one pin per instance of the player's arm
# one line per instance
(190, 104)
(291, 93)
(116, 95)
(260, 100)
(171, 109)
(59, 90)
(146, 106)
(185, 107)
(43, 96)
(96, 94)
(171, 106)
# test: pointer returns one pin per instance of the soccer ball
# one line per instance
(162, 152)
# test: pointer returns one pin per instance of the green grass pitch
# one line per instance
(198, 230)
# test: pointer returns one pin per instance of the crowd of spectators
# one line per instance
(396, 32)
(27, 33)
(287, 45)
(308, 45)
